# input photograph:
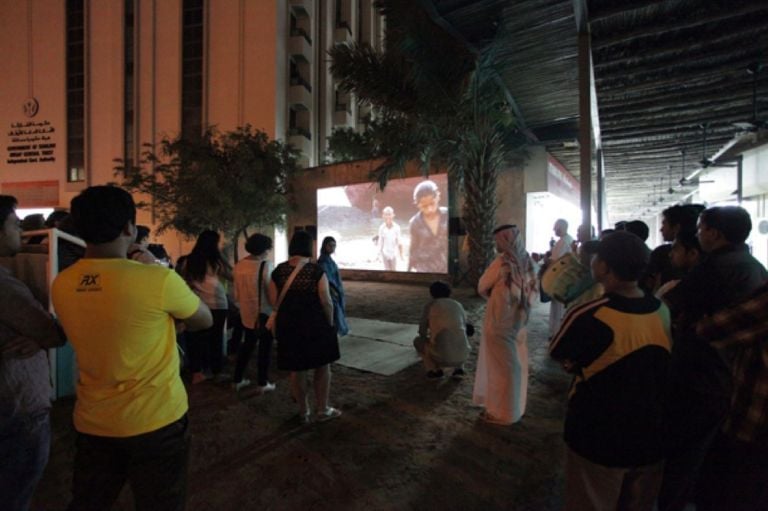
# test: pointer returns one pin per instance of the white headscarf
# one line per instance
(513, 252)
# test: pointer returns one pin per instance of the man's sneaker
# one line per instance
(269, 387)
(328, 414)
(435, 374)
(458, 373)
(237, 386)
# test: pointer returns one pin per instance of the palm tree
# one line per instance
(439, 104)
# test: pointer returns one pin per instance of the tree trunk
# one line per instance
(244, 232)
(479, 212)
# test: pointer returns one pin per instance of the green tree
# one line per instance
(222, 181)
(439, 104)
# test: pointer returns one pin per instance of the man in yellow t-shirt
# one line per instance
(118, 314)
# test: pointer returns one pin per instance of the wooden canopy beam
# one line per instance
(653, 28)
(684, 98)
(739, 112)
(727, 61)
(716, 75)
(613, 9)
(661, 75)
(690, 61)
(724, 123)
(663, 48)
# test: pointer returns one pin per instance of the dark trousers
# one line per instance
(154, 463)
(734, 477)
(25, 441)
(263, 337)
(693, 424)
(235, 323)
(205, 346)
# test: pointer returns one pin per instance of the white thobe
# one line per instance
(501, 378)
(557, 309)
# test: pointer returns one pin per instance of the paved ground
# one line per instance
(404, 442)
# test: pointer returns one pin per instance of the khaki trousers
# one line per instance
(593, 487)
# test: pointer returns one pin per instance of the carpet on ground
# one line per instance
(378, 347)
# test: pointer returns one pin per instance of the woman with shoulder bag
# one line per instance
(303, 319)
(251, 284)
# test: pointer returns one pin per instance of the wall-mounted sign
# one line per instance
(31, 142)
(560, 182)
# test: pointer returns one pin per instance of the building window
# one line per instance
(342, 8)
(75, 59)
(192, 69)
(360, 30)
(129, 105)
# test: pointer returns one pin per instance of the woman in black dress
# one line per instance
(306, 336)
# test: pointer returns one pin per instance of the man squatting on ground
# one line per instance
(618, 348)
(442, 340)
(131, 409)
(26, 329)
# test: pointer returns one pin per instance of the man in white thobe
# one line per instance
(509, 285)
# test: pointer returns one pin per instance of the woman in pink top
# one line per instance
(205, 269)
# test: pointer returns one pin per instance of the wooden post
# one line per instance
(585, 128)
(600, 190)
(740, 179)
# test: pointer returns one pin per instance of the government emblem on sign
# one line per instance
(30, 107)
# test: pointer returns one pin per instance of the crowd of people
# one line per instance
(120, 308)
(669, 401)
(668, 351)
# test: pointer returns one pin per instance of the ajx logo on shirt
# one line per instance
(89, 282)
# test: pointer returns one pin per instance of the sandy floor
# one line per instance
(404, 442)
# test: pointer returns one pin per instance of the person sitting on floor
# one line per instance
(442, 340)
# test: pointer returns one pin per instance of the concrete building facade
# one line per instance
(86, 82)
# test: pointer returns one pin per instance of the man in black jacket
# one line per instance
(701, 377)
(617, 346)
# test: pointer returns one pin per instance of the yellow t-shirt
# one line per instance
(119, 316)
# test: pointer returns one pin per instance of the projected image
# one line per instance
(403, 228)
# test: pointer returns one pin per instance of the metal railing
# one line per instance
(296, 31)
(298, 80)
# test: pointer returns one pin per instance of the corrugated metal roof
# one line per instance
(663, 71)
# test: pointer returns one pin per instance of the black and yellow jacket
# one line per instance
(619, 349)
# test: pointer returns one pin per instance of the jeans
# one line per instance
(236, 324)
(154, 463)
(25, 443)
(264, 338)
